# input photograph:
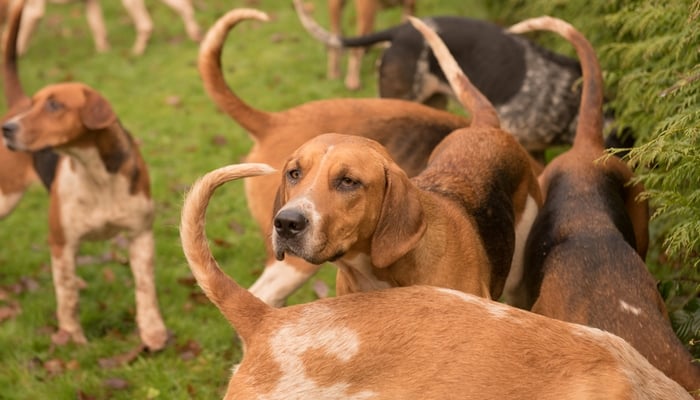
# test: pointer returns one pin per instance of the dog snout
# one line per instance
(289, 223)
(9, 130)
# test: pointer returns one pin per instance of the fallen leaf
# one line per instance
(121, 359)
(189, 350)
(221, 242)
(108, 275)
(84, 396)
(174, 101)
(219, 140)
(53, 367)
(10, 311)
(236, 227)
(116, 383)
(60, 338)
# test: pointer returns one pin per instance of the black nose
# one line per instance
(9, 130)
(288, 223)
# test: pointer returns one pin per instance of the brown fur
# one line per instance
(408, 130)
(408, 343)
(101, 187)
(34, 11)
(585, 254)
(453, 225)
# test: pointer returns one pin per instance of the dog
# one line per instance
(365, 11)
(537, 103)
(416, 342)
(460, 223)
(101, 187)
(407, 129)
(35, 9)
(585, 255)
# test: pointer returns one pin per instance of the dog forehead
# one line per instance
(70, 94)
(339, 149)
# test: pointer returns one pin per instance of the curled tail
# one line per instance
(14, 93)
(482, 111)
(239, 306)
(209, 63)
(322, 35)
(590, 118)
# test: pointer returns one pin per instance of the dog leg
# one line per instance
(366, 11)
(66, 285)
(93, 13)
(186, 11)
(334, 11)
(142, 20)
(148, 318)
(281, 278)
(31, 15)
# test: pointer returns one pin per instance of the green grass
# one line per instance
(160, 99)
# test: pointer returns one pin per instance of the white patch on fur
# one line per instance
(495, 309)
(361, 267)
(277, 282)
(522, 230)
(296, 338)
(624, 306)
(96, 204)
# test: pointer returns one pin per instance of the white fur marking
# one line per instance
(294, 339)
(630, 308)
(361, 269)
(522, 230)
(277, 282)
(495, 309)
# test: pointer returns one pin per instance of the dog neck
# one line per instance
(103, 154)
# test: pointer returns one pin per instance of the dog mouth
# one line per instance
(282, 248)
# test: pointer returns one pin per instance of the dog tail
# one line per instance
(14, 92)
(241, 308)
(209, 63)
(590, 119)
(322, 35)
(482, 111)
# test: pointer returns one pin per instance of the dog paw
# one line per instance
(155, 339)
(63, 337)
(352, 83)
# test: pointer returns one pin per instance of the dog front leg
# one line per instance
(142, 20)
(93, 13)
(148, 318)
(31, 15)
(335, 8)
(66, 285)
(186, 12)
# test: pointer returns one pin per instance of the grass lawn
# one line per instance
(160, 99)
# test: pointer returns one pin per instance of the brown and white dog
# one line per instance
(585, 252)
(460, 223)
(365, 11)
(415, 342)
(101, 187)
(35, 9)
(408, 130)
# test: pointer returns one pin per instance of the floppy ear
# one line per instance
(96, 113)
(401, 223)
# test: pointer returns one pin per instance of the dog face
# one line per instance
(344, 195)
(57, 115)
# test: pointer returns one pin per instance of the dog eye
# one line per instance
(52, 105)
(294, 174)
(347, 183)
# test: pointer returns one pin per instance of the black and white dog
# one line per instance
(534, 90)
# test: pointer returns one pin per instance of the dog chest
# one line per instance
(96, 204)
